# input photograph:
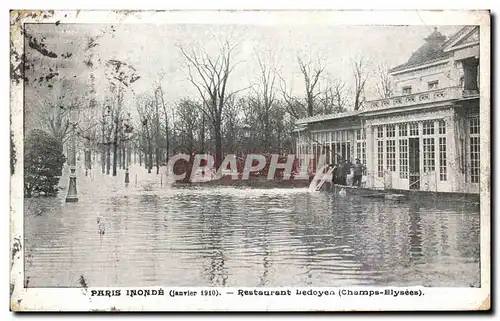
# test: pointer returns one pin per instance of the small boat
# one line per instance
(361, 191)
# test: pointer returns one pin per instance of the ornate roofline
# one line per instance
(423, 64)
(463, 32)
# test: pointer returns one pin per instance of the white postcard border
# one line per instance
(79, 299)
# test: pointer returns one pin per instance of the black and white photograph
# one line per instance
(158, 155)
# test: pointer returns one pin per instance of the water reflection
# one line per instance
(235, 237)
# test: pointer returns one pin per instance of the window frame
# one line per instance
(406, 90)
(403, 158)
(474, 132)
(434, 84)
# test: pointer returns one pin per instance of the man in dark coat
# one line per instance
(342, 172)
(358, 173)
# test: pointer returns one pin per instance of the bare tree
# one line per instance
(87, 131)
(161, 98)
(279, 135)
(311, 77)
(265, 94)
(188, 120)
(250, 111)
(157, 129)
(340, 92)
(384, 85)
(209, 75)
(360, 77)
(312, 74)
(231, 123)
(54, 120)
(145, 107)
(108, 123)
(117, 118)
(333, 98)
(294, 106)
(105, 115)
(120, 76)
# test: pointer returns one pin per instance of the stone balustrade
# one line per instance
(430, 96)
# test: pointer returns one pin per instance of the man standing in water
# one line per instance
(358, 173)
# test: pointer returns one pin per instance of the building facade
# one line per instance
(426, 136)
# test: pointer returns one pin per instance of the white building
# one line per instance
(425, 136)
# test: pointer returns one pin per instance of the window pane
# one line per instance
(390, 130)
(391, 155)
(442, 159)
(474, 159)
(442, 127)
(428, 128)
(403, 130)
(380, 131)
(429, 157)
(403, 158)
(432, 85)
(380, 158)
(413, 129)
(474, 125)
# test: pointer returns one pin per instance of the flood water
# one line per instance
(160, 235)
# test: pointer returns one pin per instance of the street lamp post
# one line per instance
(246, 133)
(72, 195)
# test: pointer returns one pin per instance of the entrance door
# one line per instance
(414, 162)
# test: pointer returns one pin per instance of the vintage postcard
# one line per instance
(250, 160)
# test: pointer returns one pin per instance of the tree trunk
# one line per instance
(150, 165)
(202, 135)
(103, 149)
(103, 159)
(157, 157)
(108, 158)
(124, 153)
(115, 146)
(124, 156)
(157, 135)
(356, 102)
(119, 156)
(116, 138)
(128, 157)
(149, 162)
(310, 105)
(90, 159)
(267, 134)
(167, 144)
(218, 146)
(115, 158)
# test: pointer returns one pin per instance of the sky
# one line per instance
(153, 49)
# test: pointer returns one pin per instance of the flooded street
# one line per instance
(147, 234)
